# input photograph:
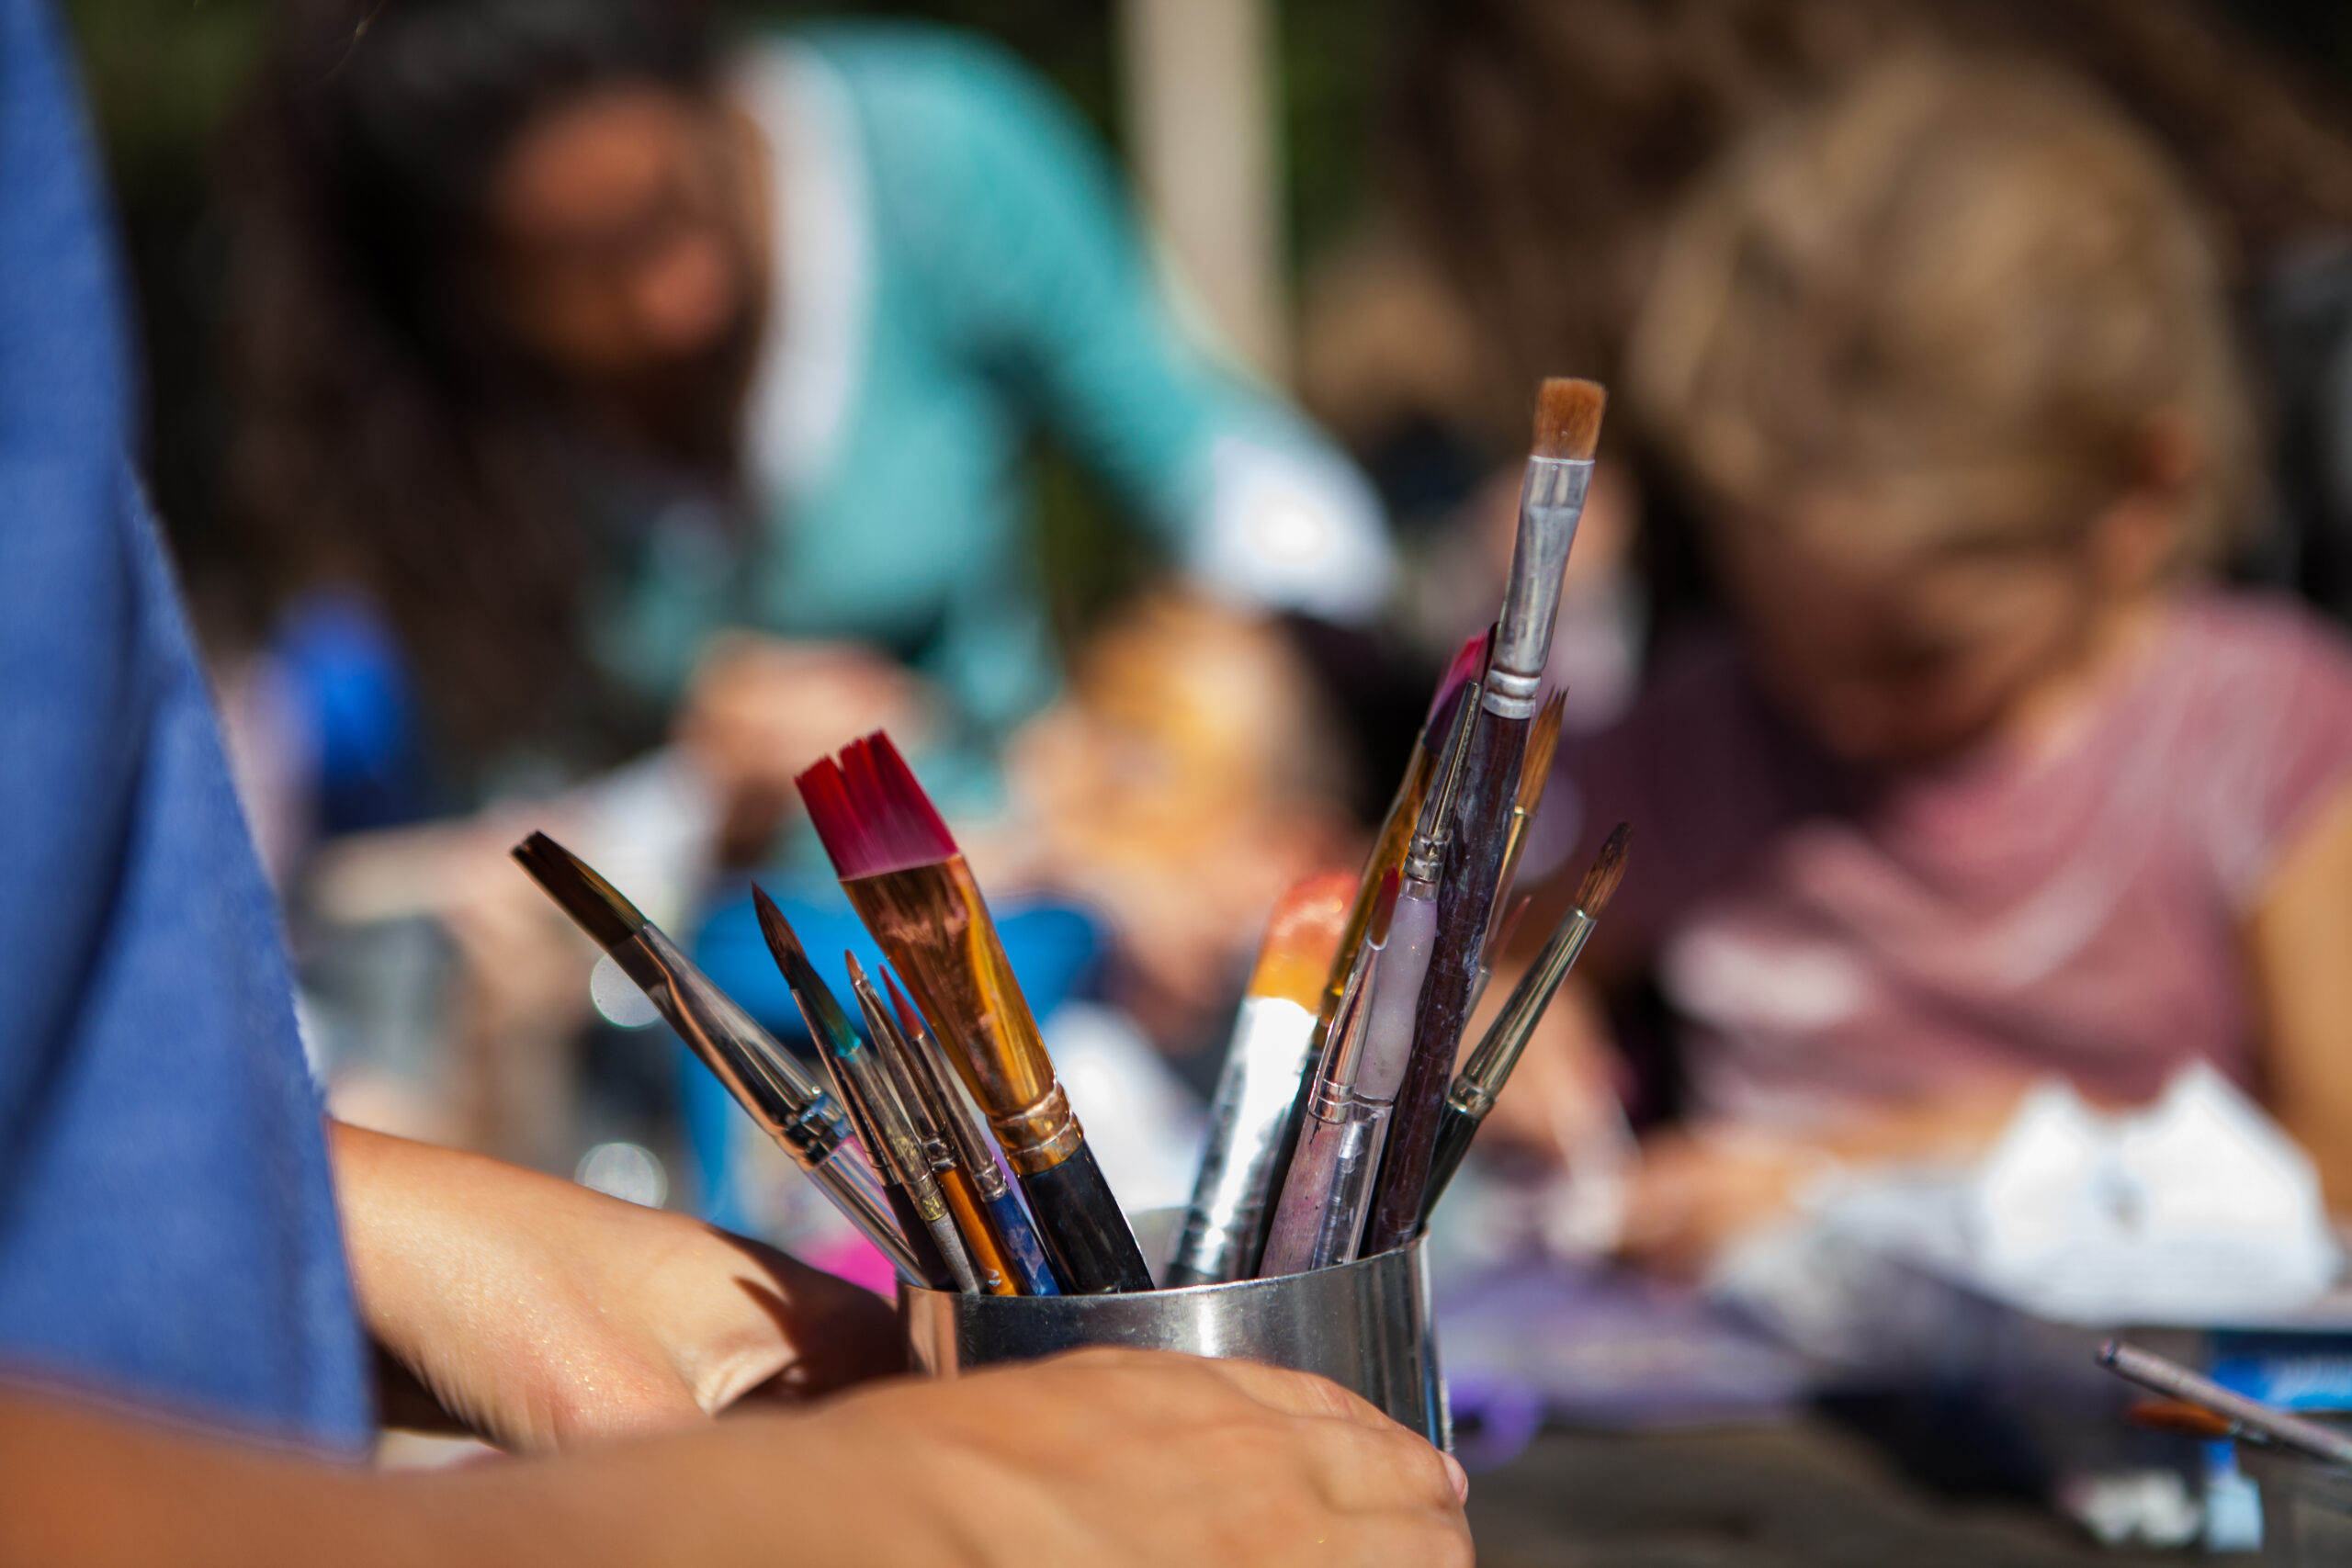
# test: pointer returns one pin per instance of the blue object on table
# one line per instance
(2295, 1369)
(353, 683)
(1056, 949)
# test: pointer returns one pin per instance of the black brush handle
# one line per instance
(1086, 1236)
(1465, 899)
(1456, 1128)
(927, 1259)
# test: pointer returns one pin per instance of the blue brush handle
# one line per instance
(1032, 1273)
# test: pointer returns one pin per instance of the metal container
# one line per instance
(2306, 1506)
(1366, 1325)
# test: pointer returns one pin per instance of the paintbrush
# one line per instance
(904, 875)
(1319, 1212)
(1387, 856)
(980, 1240)
(1536, 771)
(1490, 1067)
(1224, 1225)
(2251, 1417)
(883, 1121)
(806, 1122)
(1568, 429)
(1353, 1101)
(1016, 1238)
(1395, 834)
(930, 1262)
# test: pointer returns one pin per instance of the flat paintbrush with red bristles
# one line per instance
(904, 875)
(1551, 502)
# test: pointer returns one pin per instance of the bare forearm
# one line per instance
(81, 1488)
(2300, 946)
(78, 1487)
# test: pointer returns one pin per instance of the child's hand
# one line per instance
(542, 1314)
(759, 710)
(1695, 1194)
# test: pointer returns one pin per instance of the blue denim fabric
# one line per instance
(167, 1227)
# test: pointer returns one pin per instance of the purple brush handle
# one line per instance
(1314, 1174)
(1465, 903)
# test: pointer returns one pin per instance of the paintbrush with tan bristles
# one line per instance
(1534, 773)
(1551, 502)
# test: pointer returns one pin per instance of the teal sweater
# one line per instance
(958, 266)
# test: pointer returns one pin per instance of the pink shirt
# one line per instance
(1833, 939)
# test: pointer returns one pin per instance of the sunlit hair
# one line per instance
(1536, 147)
(1963, 291)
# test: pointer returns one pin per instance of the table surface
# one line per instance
(1801, 1492)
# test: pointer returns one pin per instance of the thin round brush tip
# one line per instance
(909, 1019)
(1567, 418)
(781, 938)
(1608, 870)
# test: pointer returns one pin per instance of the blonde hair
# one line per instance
(1962, 289)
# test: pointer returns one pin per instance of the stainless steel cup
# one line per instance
(1366, 1325)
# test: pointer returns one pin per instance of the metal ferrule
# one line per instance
(1425, 854)
(790, 1107)
(914, 1171)
(1041, 1135)
(819, 1128)
(776, 1089)
(932, 1205)
(1498, 1054)
(1473, 1099)
(926, 1198)
(1331, 1103)
(989, 1178)
(1551, 502)
(889, 1050)
(928, 1067)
